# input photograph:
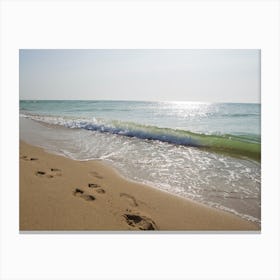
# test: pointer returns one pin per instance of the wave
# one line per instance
(240, 115)
(240, 145)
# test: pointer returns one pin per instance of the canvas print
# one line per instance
(140, 140)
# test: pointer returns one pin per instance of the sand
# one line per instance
(57, 193)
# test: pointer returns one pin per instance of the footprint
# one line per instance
(44, 174)
(88, 197)
(97, 188)
(93, 186)
(40, 173)
(140, 222)
(80, 193)
(100, 191)
(28, 159)
(132, 201)
(56, 171)
(96, 174)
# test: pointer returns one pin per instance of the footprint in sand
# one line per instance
(100, 191)
(56, 171)
(28, 159)
(53, 172)
(93, 186)
(140, 222)
(80, 193)
(131, 199)
(96, 187)
(43, 174)
(40, 173)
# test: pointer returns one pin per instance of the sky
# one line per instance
(152, 75)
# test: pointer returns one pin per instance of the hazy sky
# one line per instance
(158, 75)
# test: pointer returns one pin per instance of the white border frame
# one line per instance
(156, 24)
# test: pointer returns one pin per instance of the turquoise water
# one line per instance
(226, 127)
(209, 152)
(210, 118)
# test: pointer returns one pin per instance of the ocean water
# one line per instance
(208, 152)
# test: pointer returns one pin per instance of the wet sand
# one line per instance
(57, 193)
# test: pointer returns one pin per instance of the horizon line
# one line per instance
(132, 100)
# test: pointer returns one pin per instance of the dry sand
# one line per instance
(57, 193)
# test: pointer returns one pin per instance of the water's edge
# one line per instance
(115, 170)
(121, 169)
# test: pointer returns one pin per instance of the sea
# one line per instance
(207, 152)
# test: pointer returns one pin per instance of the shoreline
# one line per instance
(58, 193)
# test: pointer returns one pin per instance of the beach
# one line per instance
(207, 153)
(57, 193)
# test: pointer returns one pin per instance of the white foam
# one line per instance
(184, 171)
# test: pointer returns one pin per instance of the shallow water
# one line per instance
(226, 127)
(225, 182)
(208, 118)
